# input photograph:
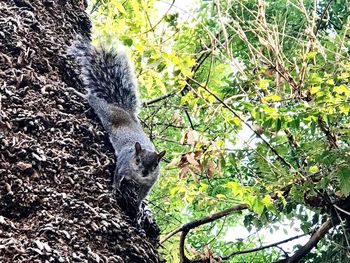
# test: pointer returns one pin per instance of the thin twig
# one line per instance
(262, 247)
(342, 210)
(163, 97)
(160, 20)
(322, 16)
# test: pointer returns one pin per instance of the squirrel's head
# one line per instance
(146, 163)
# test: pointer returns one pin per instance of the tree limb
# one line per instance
(185, 229)
(318, 234)
(204, 220)
(262, 247)
(315, 238)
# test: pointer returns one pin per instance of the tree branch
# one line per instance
(322, 16)
(315, 238)
(318, 234)
(185, 229)
(204, 220)
(262, 247)
(152, 101)
(332, 139)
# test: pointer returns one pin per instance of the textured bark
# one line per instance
(56, 203)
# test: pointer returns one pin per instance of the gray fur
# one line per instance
(113, 94)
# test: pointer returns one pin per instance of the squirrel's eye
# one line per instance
(138, 160)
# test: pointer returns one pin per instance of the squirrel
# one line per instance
(112, 91)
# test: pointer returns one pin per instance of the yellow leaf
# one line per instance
(311, 54)
(139, 47)
(315, 89)
(341, 89)
(211, 99)
(236, 121)
(313, 169)
(233, 185)
(343, 76)
(264, 83)
(220, 196)
(267, 201)
(203, 187)
(272, 97)
(120, 8)
(330, 82)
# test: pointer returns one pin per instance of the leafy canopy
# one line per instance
(255, 110)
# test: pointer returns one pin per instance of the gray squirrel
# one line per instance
(112, 92)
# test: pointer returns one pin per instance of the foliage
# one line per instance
(256, 112)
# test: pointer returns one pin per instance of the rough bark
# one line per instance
(56, 203)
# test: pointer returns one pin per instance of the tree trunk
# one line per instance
(56, 203)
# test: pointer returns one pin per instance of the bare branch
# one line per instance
(315, 238)
(318, 234)
(262, 247)
(322, 16)
(342, 210)
(165, 96)
(205, 220)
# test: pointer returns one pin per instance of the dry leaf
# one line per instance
(191, 160)
(183, 172)
(177, 119)
(192, 137)
(207, 252)
(210, 168)
(339, 194)
(198, 154)
(194, 176)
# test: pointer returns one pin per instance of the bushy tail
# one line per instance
(107, 72)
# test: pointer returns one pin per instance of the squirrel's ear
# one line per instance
(160, 155)
(138, 148)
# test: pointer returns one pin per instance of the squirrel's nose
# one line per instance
(144, 173)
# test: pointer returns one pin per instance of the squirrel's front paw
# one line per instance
(82, 95)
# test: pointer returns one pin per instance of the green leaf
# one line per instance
(344, 108)
(257, 205)
(315, 79)
(278, 124)
(311, 54)
(344, 178)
